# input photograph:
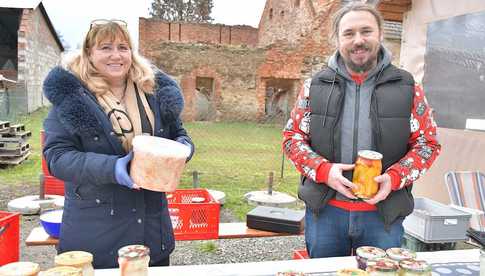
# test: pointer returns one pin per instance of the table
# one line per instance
(231, 230)
(307, 265)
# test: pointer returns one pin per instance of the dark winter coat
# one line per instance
(81, 148)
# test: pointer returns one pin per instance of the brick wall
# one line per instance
(38, 52)
(156, 31)
(233, 69)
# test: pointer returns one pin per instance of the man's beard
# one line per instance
(365, 67)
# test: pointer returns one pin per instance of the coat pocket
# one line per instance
(313, 194)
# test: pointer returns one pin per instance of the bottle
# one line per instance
(133, 260)
(79, 259)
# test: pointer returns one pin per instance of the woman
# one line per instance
(103, 98)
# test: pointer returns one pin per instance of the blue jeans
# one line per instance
(338, 232)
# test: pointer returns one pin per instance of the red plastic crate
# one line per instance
(194, 214)
(53, 186)
(45, 171)
(9, 237)
(300, 254)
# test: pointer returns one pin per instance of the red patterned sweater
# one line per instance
(424, 147)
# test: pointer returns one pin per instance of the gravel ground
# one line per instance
(186, 252)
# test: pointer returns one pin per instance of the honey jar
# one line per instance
(367, 166)
(133, 260)
(20, 269)
(79, 259)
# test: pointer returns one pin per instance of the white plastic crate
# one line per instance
(433, 222)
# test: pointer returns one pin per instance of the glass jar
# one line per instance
(382, 267)
(79, 259)
(399, 254)
(62, 271)
(133, 260)
(365, 253)
(351, 272)
(20, 269)
(367, 166)
(412, 267)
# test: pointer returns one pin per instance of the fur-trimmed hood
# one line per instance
(66, 92)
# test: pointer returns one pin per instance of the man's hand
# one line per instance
(338, 182)
(384, 182)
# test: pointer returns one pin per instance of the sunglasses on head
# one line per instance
(98, 22)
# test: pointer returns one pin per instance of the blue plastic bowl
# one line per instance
(51, 221)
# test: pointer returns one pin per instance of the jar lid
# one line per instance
(370, 154)
(398, 254)
(382, 264)
(62, 271)
(370, 252)
(133, 251)
(351, 272)
(20, 268)
(73, 258)
(415, 265)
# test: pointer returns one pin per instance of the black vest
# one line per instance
(391, 106)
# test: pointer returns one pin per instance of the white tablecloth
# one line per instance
(307, 266)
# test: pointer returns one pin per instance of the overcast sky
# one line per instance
(71, 18)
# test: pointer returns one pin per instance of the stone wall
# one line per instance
(157, 31)
(38, 52)
(233, 69)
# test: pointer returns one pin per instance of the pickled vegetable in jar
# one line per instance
(133, 260)
(366, 253)
(382, 267)
(367, 166)
(414, 268)
(399, 254)
(79, 259)
(20, 269)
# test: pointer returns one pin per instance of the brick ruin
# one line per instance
(240, 73)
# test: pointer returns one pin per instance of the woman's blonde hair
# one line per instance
(140, 72)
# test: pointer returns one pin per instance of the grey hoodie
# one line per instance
(356, 121)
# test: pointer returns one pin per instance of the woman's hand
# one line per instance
(121, 172)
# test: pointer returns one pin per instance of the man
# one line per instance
(360, 102)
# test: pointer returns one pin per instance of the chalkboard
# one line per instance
(454, 75)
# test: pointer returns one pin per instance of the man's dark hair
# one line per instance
(354, 6)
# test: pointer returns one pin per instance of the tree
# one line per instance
(182, 10)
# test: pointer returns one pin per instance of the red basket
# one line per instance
(194, 214)
(53, 186)
(9, 237)
(300, 254)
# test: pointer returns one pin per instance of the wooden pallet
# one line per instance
(15, 129)
(14, 152)
(21, 135)
(11, 143)
(14, 160)
(4, 126)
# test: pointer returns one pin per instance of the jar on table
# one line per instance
(351, 272)
(20, 269)
(79, 259)
(412, 267)
(382, 267)
(62, 271)
(399, 254)
(366, 253)
(133, 260)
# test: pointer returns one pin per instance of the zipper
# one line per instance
(356, 122)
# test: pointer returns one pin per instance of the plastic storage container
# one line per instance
(158, 163)
(9, 237)
(52, 185)
(300, 254)
(433, 222)
(193, 219)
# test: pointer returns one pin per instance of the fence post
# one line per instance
(195, 179)
(270, 183)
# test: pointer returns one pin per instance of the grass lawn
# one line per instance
(231, 157)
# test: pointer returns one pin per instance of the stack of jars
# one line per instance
(393, 261)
